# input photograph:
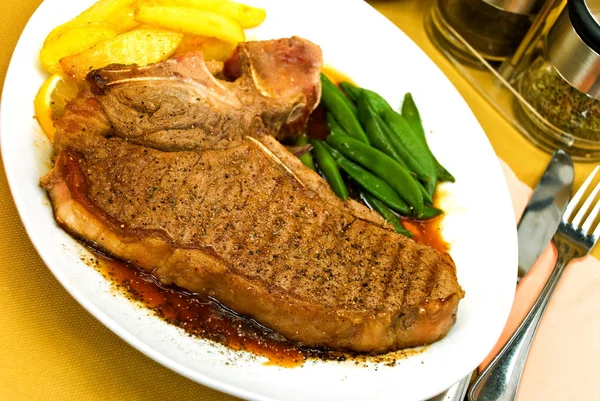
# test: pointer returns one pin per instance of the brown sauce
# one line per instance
(427, 232)
(200, 316)
(206, 318)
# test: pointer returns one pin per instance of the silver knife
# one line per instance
(545, 208)
(536, 228)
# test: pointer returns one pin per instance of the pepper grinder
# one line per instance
(493, 28)
(559, 82)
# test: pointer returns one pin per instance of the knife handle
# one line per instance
(500, 379)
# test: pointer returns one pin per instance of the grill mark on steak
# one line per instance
(249, 241)
(309, 230)
(301, 248)
(180, 212)
(186, 210)
(429, 283)
(240, 220)
(411, 280)
(269, 241)
(380, 256)
(284, 242)
(345, 255)
(388, 273)
(341, 255)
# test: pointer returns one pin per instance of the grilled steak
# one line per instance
(180, 174)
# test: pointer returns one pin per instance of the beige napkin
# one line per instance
(564, 361)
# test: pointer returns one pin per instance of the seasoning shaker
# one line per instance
(543, 21)
(493, 28)
(559, 83)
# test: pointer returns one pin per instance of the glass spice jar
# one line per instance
(493, 28)
(560, 84)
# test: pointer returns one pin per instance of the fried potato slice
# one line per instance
(123, 19)
(71, 41)
(212, 48)
(190, 20)
(246, 16)
(98, 12)
(142, 46)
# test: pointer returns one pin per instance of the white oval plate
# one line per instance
(367, 47)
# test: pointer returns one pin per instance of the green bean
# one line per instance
(342, 109)
(430, 212)
(352, 91)
(427, 197)
(329, 168)
(373, 128)
(325, 81)
(307, 157)
(413, 150)
(334, 126)
(370, 182)
(412, 115)
(381, 106)
(383, 166)
(404, 133)
(430, 185)
(443, 174)
(396, 135)
(387, 214)
(406, 159)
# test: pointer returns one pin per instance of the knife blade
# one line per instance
(536, 228)
(546, 206)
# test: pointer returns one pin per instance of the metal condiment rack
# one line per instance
(491, 84)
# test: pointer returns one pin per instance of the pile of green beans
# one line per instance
(384, 152)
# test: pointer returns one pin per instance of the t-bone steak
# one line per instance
(176, 168)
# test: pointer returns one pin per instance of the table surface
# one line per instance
(52, 349)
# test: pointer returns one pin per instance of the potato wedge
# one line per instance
(98, 12)
(212, 48)
(246, 16)
(71, 41)
(142, 46)
(190, 20)
(123, 19)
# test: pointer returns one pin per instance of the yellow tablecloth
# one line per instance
(52, 349)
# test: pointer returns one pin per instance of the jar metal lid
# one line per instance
(594, 9)
(584, 15)
(573, 46)
(526, 7)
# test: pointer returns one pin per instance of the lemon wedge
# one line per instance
(51, 100)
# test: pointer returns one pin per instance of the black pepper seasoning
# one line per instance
(560, 84)
(559, 103)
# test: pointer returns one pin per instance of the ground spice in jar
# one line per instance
(559, 103)
(494, 33)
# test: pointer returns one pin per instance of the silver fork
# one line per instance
(574, 239)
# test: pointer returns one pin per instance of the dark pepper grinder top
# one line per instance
(573, 45)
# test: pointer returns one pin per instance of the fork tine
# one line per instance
(585, 208)
(577, 198)
(590, 220)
